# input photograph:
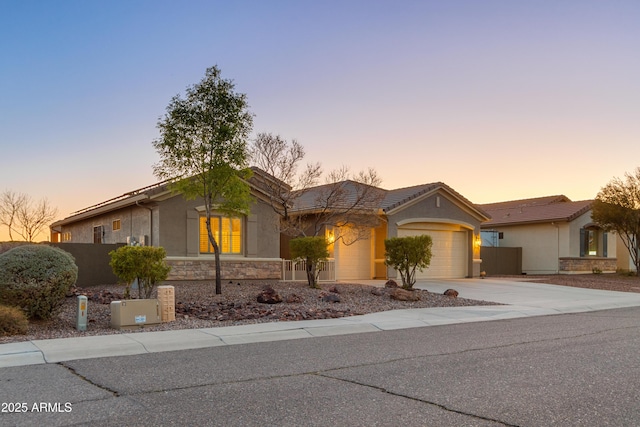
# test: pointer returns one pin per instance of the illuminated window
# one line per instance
(66, 236)
(226, 231)
(116, 225)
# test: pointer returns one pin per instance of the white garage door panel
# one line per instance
(449, 253)
(354, 261)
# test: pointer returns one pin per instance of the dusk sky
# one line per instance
(500, 100)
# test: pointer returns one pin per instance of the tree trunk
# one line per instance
(216, 252)
(311, 273)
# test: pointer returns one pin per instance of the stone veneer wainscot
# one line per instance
(232, 269)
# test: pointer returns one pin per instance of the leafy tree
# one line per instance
(143, 263)
(203, 149)
(313, 250)
(24, 216)
(617, 208)
(406, 254)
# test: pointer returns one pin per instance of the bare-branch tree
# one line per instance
(349, 203)
(24, 216)
(281, 160)
(10, 203)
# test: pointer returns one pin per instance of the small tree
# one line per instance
(203, 150)
(145, 264)
(313, 250)
(617, 208)
(406, 254)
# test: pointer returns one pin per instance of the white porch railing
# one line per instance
(297, 270)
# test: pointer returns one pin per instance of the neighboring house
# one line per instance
(434, 209)
(556, 235)
(155, 216)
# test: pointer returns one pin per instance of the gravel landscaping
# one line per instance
(197, 306)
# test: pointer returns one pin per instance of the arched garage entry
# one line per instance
(450, 250)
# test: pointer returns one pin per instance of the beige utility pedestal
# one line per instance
(167, 299)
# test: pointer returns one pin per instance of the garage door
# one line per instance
(353, 261)
(449, 253)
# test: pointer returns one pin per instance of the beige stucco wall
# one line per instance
(545, 243)
(134, 221)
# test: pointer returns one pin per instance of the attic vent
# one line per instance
(437, 201)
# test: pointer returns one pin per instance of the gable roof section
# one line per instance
(389, 200)
(537, 210)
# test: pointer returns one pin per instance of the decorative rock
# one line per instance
(377, 292)
(327, 297)
(451, 293)
(331, 298)
(334, 290)
(269, 296)
(404, 295)
(391, 284)
(294, 299)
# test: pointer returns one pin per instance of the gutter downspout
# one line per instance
(150, 221)
(557, 246)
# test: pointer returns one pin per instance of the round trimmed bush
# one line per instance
(36, 278)
(13, 321)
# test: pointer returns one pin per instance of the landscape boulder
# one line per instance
(269, 296)
(329, 297)
(391, 284)
(377, 292)
(404, 295)
(451, 293)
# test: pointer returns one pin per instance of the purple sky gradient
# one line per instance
(501, 100)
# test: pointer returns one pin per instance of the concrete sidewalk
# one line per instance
(523, 299)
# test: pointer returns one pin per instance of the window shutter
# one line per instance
(582, 241)
(604, 244)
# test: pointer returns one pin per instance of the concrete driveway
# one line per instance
(553, 299)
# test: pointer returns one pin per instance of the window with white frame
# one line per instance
(227, 231)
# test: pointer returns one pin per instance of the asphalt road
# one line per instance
(566, 370)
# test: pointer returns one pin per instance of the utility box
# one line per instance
(134, 313)
(81, 318)
(167, 299)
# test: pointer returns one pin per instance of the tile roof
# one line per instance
(541, 209)
(387, 199)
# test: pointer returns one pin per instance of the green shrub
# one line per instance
(313, 250)
(406, 254)
(36, 278)
(13, 321)
(143, 263)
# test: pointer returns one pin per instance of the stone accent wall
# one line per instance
(205, 269)
(586, 265)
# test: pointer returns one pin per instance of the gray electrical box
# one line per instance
(81, 319)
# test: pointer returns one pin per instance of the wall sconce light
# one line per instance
(477, 241)
(330, 237)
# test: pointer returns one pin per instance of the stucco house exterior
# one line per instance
(556, 235)
(452, 221)
(155, 216)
